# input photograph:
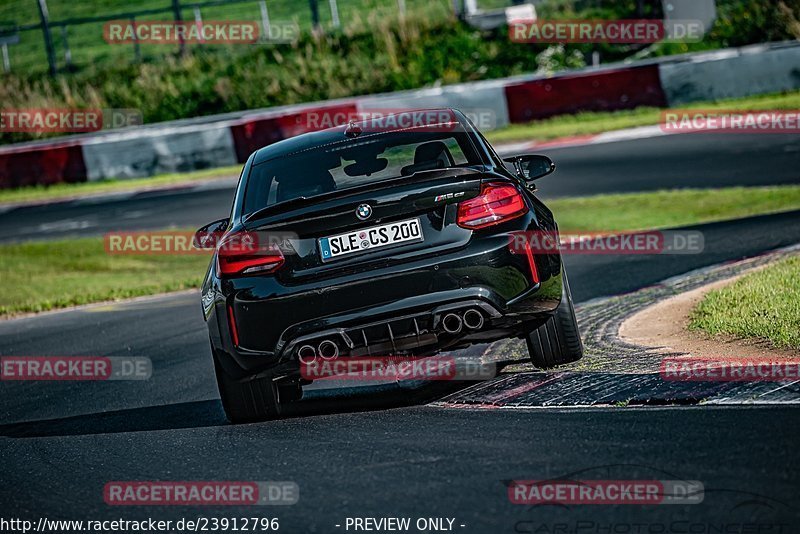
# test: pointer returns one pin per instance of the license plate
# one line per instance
(372, 238)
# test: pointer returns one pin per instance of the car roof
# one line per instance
(392, 122)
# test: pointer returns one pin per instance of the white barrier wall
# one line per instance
(483, 102)
(144, 153)
(731, 74)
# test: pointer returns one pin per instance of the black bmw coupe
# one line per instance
(396, 237)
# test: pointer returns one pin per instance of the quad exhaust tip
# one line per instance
(452, 323)
(473, 319)
(307, 354)
(328, 350)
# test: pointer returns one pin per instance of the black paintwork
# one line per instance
(351, 300)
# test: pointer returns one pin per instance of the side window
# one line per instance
(494, 158)
(261, 188)
(497, 159)
(455, 150)
(238, 186)
(272, 194)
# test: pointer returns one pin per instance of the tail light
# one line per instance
(498, 202)
(240, 253)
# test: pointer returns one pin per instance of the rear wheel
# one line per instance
(557, 341)
(249, 399)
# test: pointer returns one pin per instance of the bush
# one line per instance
(742, 23)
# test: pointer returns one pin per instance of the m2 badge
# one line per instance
(448, 196)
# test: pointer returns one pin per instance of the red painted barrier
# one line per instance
(252, 133)
(42, 165)
(592, 91)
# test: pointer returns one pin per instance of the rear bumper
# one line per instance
(392, 308)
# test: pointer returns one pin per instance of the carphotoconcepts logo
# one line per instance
(379, 120)
(396, 368)
(74, 368)
(689, 369)
(176, 32)
(629, 492)
(631, 31)
(651, 242)
(173, 242)
(722, 121)
(64, 120)
(208, 493)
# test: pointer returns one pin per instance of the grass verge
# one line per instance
(562, 126)
(45, 275)
(66, 191)
(588, 123)
(761, 305)
(664, 209)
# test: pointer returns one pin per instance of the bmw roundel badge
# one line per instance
(364, 212)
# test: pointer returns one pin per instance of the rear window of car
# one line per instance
(353, 162)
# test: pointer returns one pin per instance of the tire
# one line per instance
(557, 341)
(247, 400)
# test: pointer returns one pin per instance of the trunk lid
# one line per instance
(430, 197)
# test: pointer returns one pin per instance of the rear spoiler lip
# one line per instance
(251, 222)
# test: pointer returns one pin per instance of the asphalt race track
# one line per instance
(673, 161)
(353, 457)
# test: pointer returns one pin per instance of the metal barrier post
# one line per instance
(48, 38)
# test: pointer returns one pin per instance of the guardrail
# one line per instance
(199, 143)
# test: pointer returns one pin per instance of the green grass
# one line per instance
(585, 123)
(588, 123)
(62, 191)
(45, 275)
(664, 209)
(761, 305)
(40, 276)
(88, 47)
(374, 55)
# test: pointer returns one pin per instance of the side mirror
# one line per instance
(532, 166)
(208, 236)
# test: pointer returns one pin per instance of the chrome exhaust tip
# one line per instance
(473, 319)
(328, 350)
(307, 354)
(452, 323)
